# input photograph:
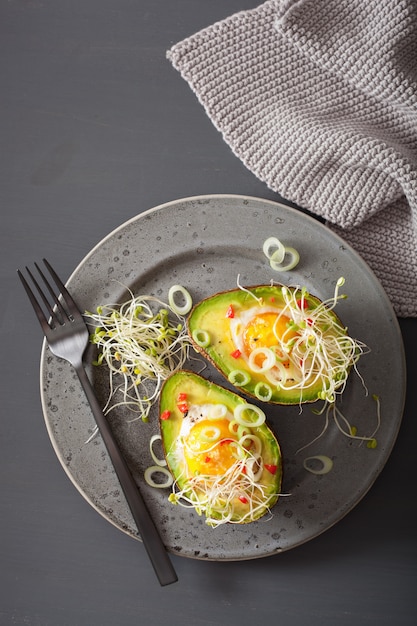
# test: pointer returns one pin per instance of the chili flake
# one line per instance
(230, 311)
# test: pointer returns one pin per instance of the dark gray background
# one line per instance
(96, 126)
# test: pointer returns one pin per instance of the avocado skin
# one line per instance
(199, 391)
(210, 315)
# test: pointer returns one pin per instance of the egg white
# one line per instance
(197, 413)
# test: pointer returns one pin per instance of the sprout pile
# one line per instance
(142, 342)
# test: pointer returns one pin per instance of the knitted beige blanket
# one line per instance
(318, 98)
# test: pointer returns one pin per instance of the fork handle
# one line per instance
(150, 536)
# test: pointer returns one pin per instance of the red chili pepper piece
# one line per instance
(230, 311)
(165, 415)
(302, 303)
(207, 459)
(271, 468)
(236, 354)
(182, 397)
(309, 321)
(183, 407)
(243, 499)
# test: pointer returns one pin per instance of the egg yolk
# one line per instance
(265, 330)
(208, 449)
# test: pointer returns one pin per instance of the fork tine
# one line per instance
(39, 313)
(54, 317)
(72, 307)
(53, 295)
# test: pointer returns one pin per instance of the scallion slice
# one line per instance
(242, 409)
(239, 378)
(182, 309)
(319, 464)
(153, 470)
(263, 391)
(159, 462)
(201, 337)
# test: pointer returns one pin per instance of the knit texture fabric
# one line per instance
(318, 98)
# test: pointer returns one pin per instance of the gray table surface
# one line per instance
(96, 127)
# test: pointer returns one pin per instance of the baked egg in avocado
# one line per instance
(225, 460)
(276, 343)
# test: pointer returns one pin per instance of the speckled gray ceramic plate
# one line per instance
(204, 243)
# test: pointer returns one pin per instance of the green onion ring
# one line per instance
(210, 434)
(241, 408)
(239, 378)
(157, 469)
(254, 439)
(186, 307)
(159, 462)
(278, 254)
(263, 391)
(294, 259)
(238, 430)
(268, 362)
(325, 461)
(201, 338)
(242, 431)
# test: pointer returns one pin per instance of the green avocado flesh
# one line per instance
(225, 328)
(225, 477)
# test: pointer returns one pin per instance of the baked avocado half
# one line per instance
(225, 460)
(276, 343)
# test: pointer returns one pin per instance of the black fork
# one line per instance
(67, 335)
